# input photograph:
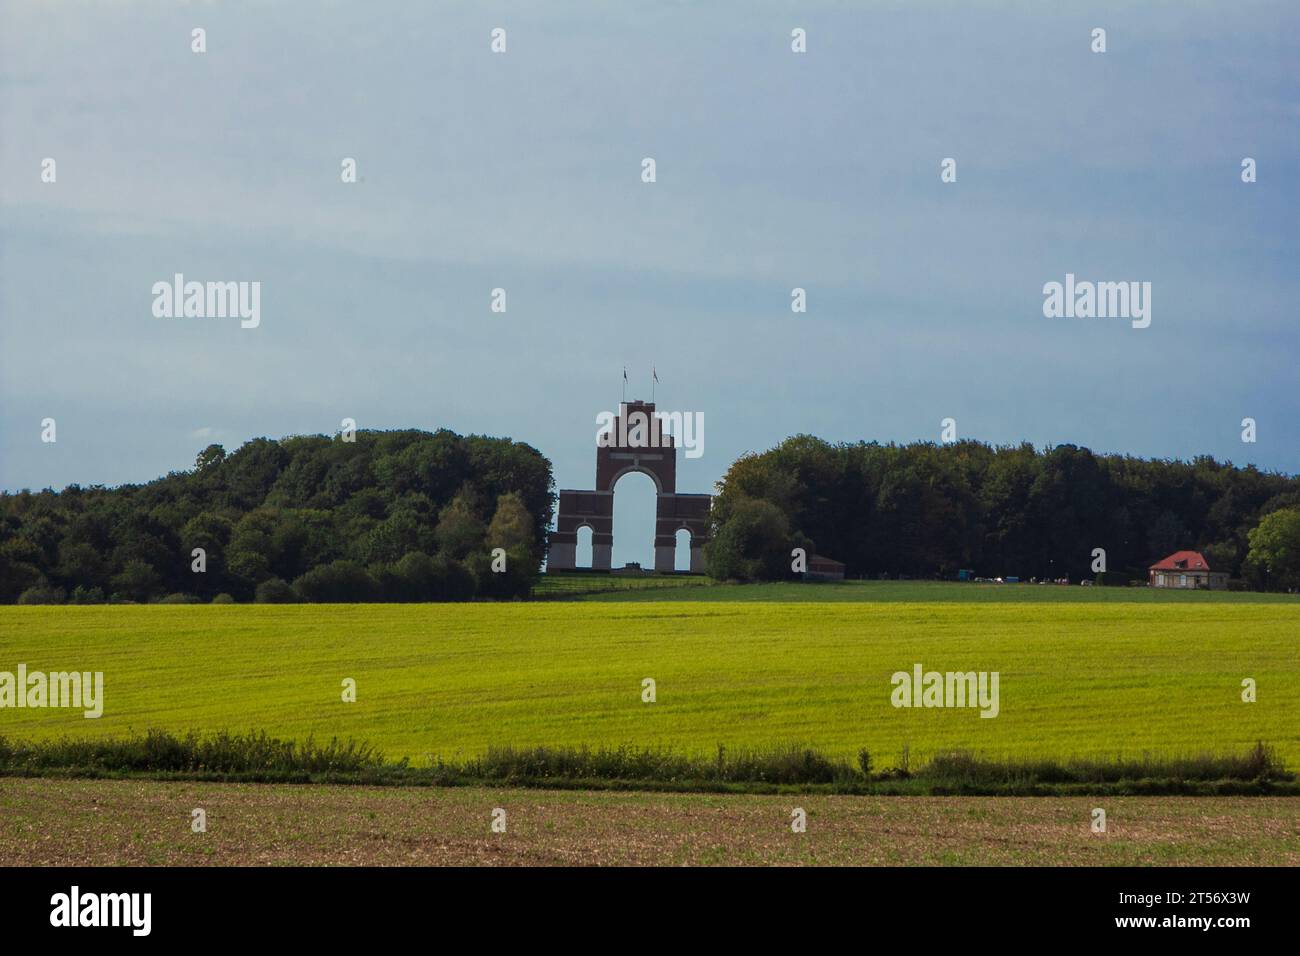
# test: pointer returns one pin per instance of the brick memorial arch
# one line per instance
(645, 449)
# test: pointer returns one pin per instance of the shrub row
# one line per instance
(162, 752)
(257, 756)
(415, 577)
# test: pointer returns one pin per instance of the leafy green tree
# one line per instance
(455, 581)
(1224, 556)
(209, 457)
(43, 593)
(393, 537)
(212, 533)
(247, 569)
(512, 526)
(16, 577)
(263, 544)
(22, 550)
(81, 564)
(137, 581)
(1167, 535)
(84, 595)
(754, 543)
(416, 577)
(1274, 556)
(275, 591)
(460, 529)
(209, 531)
(337, 582)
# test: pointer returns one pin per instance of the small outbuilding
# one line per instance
(1186, 569)
(821, 568)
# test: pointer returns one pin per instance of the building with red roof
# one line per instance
(1186, 569)
(824, 569)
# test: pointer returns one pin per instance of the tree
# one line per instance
(1167, 535)
(417, 578)
(1274, 556)
(396, 535)
(84, 595)
(212, 455)
(246, 570)
(337, 582)
(81, 564)
(137, 581)
(42, 593)
(1223, 556)
(511, 530)
(512, 525)
(16, 577)
(460, 529)
(211, 532)
(753, 544)
(262, 546)
(455, 581)
(275, 591)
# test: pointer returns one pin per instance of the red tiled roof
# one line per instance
(1182, 561)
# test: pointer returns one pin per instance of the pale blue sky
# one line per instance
(522, 171)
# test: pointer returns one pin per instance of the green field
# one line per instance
(573, 583)
(655, 588)
(1092, 676)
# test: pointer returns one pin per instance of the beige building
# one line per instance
(1186, 569)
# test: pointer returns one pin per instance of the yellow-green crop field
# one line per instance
(1076, 678)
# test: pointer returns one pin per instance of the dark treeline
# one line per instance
(400, 515)
(926, 510)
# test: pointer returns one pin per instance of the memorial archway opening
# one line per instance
(635, 501)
